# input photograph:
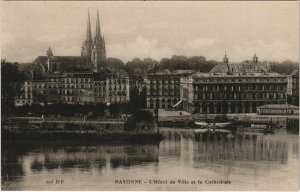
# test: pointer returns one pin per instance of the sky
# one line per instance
(153, 29)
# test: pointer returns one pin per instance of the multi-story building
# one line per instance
(41, 91)
(293, 88)
(232, 91)
(107, 86)
(77, 88)
(117, 86)
(162, 88)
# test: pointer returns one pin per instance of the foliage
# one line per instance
(11, 80)
(286, 67)
(72, 110)
(137, 99)
(139, 116)
(114, 63)
(198, 63)
(138, 68)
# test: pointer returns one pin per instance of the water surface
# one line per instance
(248, 162)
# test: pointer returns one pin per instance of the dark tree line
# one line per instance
(198, 63)
(73, 110)
(285, 67)
(11, 80)
(138, 68)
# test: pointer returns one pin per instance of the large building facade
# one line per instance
(227, 88)
(293, 88)
(232, 93)
(107, 86)
(233, 90)
(163, 88)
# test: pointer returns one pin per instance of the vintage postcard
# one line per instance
(149, 96)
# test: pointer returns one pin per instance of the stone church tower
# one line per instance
(94, 51)
(98, 56)
(87, 46)
(49, 60)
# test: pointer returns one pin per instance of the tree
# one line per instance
(11, 80)
(286, 67)
(114, 63)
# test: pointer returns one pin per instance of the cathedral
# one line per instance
(93, 50)
(75, 79)
(93, 55)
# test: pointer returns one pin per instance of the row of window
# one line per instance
(161, 82)
(243, 96)
(117, 93)
(77, 80)
(169, 88)
(242, 80)
(117, 81)
(238, 87)
(82, 86)
(117, 99)
(163, 93)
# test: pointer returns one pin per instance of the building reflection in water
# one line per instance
(11, 167)
(68, 159)
(185, 145)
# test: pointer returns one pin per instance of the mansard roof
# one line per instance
(167, 72)
(60, 59)
(64, 63)
(239, 75)
(243, 67)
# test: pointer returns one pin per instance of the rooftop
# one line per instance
(224, 74)
(168, 72)
(243, 67)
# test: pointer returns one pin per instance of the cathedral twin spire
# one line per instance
(94, 49)
(89, 31)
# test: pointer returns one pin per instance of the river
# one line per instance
(182, 161)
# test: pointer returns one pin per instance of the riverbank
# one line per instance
(82, 137)
(139, 128)
(186, 120)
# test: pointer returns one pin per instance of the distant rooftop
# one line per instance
(224, 74)
(243, 67)
(168, 72)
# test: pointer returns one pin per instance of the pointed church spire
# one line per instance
(88, 30)
(49, 52)
(98, 31)
(255, 58)
(98, 53)
(87, 45)
(49, 60)
(225, 59)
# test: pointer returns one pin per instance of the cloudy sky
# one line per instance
(153, 29)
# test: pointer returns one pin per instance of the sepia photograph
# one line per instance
(149, 95)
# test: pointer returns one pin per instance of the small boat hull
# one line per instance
(203, 124)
